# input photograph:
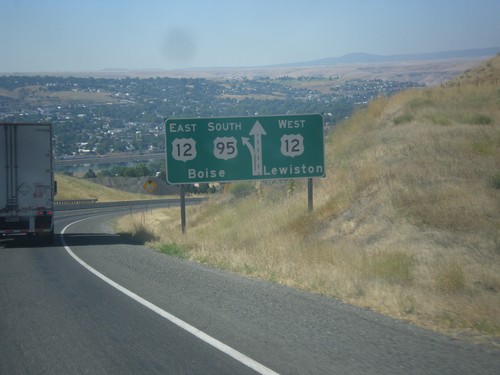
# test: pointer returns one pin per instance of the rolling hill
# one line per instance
(369, 58)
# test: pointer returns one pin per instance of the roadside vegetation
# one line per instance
(407, 221)
(77, 188)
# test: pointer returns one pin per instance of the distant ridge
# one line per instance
(363, 58)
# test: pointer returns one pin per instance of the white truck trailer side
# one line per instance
(27, 186)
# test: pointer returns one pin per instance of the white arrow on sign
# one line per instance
(256, 150)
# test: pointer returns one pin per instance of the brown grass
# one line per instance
(77, 188)
(407, 221)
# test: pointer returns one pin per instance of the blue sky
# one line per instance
(74, 35)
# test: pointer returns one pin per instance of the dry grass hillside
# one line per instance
(76, 188)
(407, 221)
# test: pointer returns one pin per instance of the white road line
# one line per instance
(240, 357)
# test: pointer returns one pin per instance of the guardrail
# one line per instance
(77, 204)
(75, 201)
(111, 158)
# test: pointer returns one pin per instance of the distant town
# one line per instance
(103, 116)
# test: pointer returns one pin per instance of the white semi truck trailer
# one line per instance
(27, 185)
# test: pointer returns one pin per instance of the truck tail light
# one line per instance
(45, 213)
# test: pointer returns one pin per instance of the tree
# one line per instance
(90, 174)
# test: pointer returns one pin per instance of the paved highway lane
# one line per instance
(57, 317)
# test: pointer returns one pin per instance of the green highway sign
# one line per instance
(244, 148)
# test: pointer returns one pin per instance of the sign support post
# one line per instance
(310, 194)
(182, 190)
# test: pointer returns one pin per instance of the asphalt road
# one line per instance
(173, 316)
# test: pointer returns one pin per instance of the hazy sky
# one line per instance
(72, 35)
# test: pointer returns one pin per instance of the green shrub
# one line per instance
(495, 181)
(174, 249)
(480, 119)
(407, 117)
(439, 119)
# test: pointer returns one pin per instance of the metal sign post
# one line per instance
(182, 191)
(310, 194)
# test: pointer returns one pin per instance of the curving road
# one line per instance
(95, 303)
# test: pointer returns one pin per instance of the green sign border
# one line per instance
(225, 149)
